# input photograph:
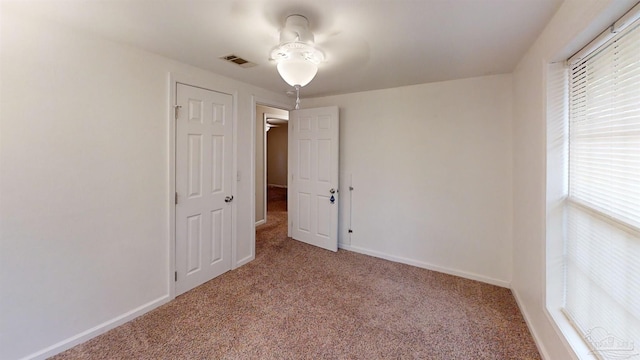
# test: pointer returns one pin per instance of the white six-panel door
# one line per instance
(203, 181)
(313, 176)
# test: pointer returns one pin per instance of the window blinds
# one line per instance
(602, 247)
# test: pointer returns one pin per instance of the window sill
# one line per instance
(569, 335)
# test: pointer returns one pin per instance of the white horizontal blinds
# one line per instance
(602, 285)
(602, 249)
(605, 130)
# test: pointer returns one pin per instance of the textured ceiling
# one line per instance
(369, 45)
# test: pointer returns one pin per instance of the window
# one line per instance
(602, 233)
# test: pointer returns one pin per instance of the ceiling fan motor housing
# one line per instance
(296, 28)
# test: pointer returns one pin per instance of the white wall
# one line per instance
(575, 24)
(431, 169)
(84, 174)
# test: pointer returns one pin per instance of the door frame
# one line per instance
(174, 79)
(265, 118)
(255, 101)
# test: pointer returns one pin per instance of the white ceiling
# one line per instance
(369, 45)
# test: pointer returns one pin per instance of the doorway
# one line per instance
(271, 159)
(310, 149)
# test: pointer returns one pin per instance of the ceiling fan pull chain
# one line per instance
(297, 97)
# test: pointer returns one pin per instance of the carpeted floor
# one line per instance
(295, 301)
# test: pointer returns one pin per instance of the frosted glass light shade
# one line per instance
(297, 62)
(297, 71)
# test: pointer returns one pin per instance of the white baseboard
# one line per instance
(260, 222)
(420, 264)
(525, 314)
(97, 330)
(277, 186)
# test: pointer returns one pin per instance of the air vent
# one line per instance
(238, 61)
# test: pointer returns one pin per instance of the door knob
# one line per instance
(228, 199)
(332, 191)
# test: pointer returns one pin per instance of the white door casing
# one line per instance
(204, 131)
(313, 175)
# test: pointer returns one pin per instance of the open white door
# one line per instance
(313, 176)
(203, 185)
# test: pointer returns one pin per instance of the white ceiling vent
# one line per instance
(238, 61)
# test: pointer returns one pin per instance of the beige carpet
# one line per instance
(295, 301)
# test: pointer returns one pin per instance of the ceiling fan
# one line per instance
(305, 39)
(296, 54)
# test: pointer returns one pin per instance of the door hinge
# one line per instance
(176, 109)
(176, 276)
(176, 199)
